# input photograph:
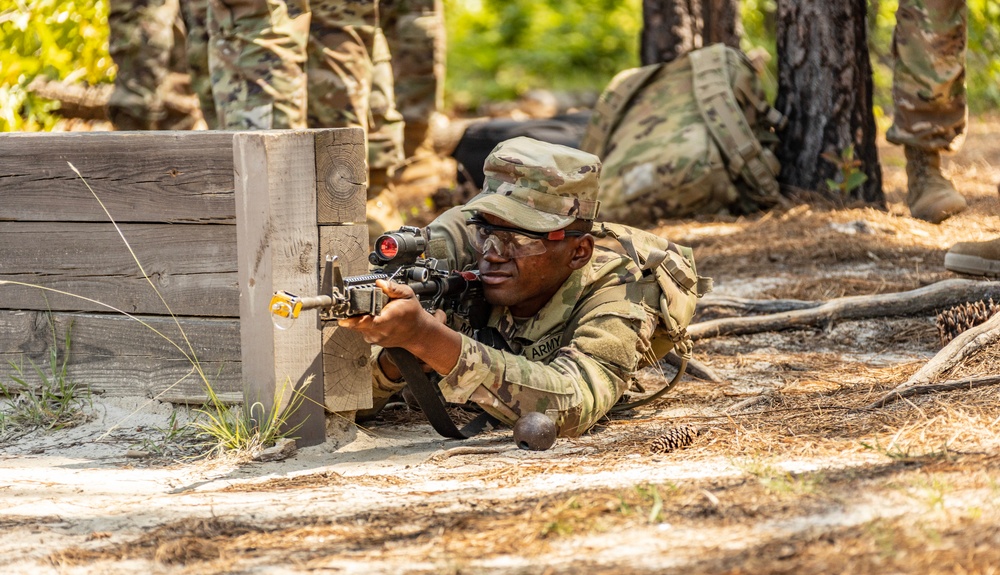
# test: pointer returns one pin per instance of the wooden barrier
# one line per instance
(217, 220)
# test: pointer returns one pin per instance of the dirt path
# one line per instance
(797, 482)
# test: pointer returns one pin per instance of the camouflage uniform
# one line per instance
(928, 87)
(141, 40)
(929, 95)
(149, 39)
(416, 34)
(195, 16)
(573, 377)
(350, 84)
(296, 64)
(257, 54)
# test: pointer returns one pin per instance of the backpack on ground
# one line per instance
(692, 136)
(480, 137)
(670, 286)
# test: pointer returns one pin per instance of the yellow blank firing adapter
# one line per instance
(286, 305)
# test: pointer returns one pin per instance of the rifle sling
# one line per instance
(430, 401)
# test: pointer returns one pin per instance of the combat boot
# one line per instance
(930, 195)
(975, 258)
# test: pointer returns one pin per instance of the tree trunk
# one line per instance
(721, 22)
(825, 90)
(672, 28)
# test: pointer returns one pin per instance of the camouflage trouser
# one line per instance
(929, 75)
(140, 43)
(319, 64)
(350, 81)
(195, 16)
(257, 54)
(149, 39)
(416, 34)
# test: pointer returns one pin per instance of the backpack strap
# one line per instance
(729, 128)
(608, 109)
(697, 286)
(430, 401)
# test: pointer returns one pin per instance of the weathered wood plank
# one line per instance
(341, 176)
(120, 356)
(193, 267)
(275, 174)
(346, 375)
(139, 176)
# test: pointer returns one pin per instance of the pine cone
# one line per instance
(954, 321)
(674, 438)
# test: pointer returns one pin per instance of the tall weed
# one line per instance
(40, 399)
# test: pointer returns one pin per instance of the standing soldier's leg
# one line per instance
(350, 85)
(385, 123)
(929, 95)
(195, 14)
(141, 39)
(416, 34)
(256, 54)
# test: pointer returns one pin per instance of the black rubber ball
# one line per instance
(535, 432)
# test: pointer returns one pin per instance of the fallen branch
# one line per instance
(695, 368)
(928, 299)
(77, 100)
(964, 345)
(753, 306)
(897, 394)
(469, 450)
(766, 398)
(90, 102)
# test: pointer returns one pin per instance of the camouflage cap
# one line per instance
(538, 186)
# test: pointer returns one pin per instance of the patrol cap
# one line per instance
(538, 186)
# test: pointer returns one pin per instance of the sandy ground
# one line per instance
(784, 474)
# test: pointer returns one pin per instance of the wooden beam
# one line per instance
(140, 176)
(277, 249)
(346, 375)
(341, 176)
(192, 266)
(124, 357)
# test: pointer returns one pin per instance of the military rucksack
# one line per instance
(670, 286)
(694, 135)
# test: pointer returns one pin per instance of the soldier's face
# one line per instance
(526, 284)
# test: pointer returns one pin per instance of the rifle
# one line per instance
(397, 256)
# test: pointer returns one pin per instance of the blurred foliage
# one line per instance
(881, 21)
(497, 49)
(500, 49)
(759, 34)
(57, 39)
(983, 66)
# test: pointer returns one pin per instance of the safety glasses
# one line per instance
(510, 242)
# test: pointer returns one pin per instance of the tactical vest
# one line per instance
(692, 136)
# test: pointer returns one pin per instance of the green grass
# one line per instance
(38, 398)
(781, 482)
(247, 429)
(177, 440)
(898, 451)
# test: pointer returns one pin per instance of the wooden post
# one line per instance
(277, 249)
(341, 172)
